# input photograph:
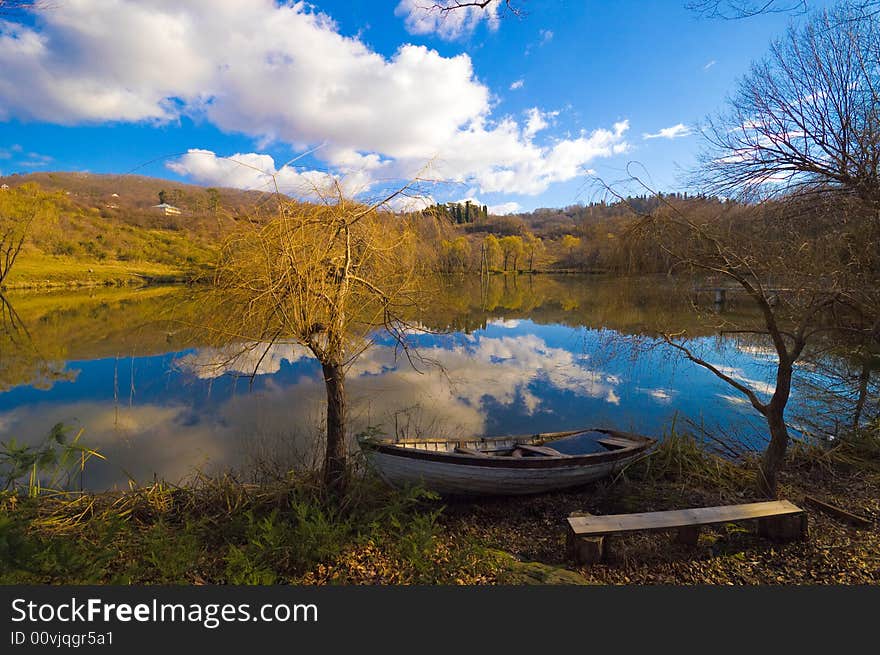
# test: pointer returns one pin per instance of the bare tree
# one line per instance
(804, 125)
(12, 6)
(13, 233)
(18, 209)
(807, 117)
(802, 135)
(789, 268)
(324, 276)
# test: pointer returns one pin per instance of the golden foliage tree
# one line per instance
(492, 251)
(512, 248)
(324, 276)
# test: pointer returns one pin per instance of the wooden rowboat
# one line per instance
(500, 465)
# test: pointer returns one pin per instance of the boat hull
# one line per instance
(455, 479)
(453, 474)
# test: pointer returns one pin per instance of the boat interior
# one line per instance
(515, 447)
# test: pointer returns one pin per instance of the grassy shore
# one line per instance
(218, 530)
(37, 271)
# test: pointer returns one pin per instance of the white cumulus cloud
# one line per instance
(259, 172)
(674, 132)
(429, 17)
(537, 120)
(504, 208)
(282, 73)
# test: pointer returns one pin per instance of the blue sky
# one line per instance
(515, 112)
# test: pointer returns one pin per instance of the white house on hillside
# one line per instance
(168, 210)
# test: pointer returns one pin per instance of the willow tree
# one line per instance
(512, 249)
(325, 276)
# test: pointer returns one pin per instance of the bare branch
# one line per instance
(737, 9)
(748, 393)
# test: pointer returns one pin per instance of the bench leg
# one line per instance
(585, 550)
(688, 536)
(784, 528)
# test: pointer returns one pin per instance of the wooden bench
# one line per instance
(779, 520)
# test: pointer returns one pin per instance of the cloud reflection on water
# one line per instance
(511, 377)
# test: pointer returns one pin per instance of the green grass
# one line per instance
(220, 531)
(38, 270)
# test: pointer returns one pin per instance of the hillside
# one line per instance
(106, 229)
(132, 198)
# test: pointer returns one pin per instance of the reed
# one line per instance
(855, 450)
(681, 458)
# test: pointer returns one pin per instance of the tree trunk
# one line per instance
(864, 378)
(334, 457)
(774, 456)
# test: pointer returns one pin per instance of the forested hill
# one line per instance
(553, 223)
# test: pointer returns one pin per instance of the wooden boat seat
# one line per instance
(613, 443)
(461, 450)
(541, 450)
(778, 519)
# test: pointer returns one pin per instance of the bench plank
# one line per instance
(583, 526)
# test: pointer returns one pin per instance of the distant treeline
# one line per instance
(459, 213)
(591, 237)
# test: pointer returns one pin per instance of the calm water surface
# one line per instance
(525, 355)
